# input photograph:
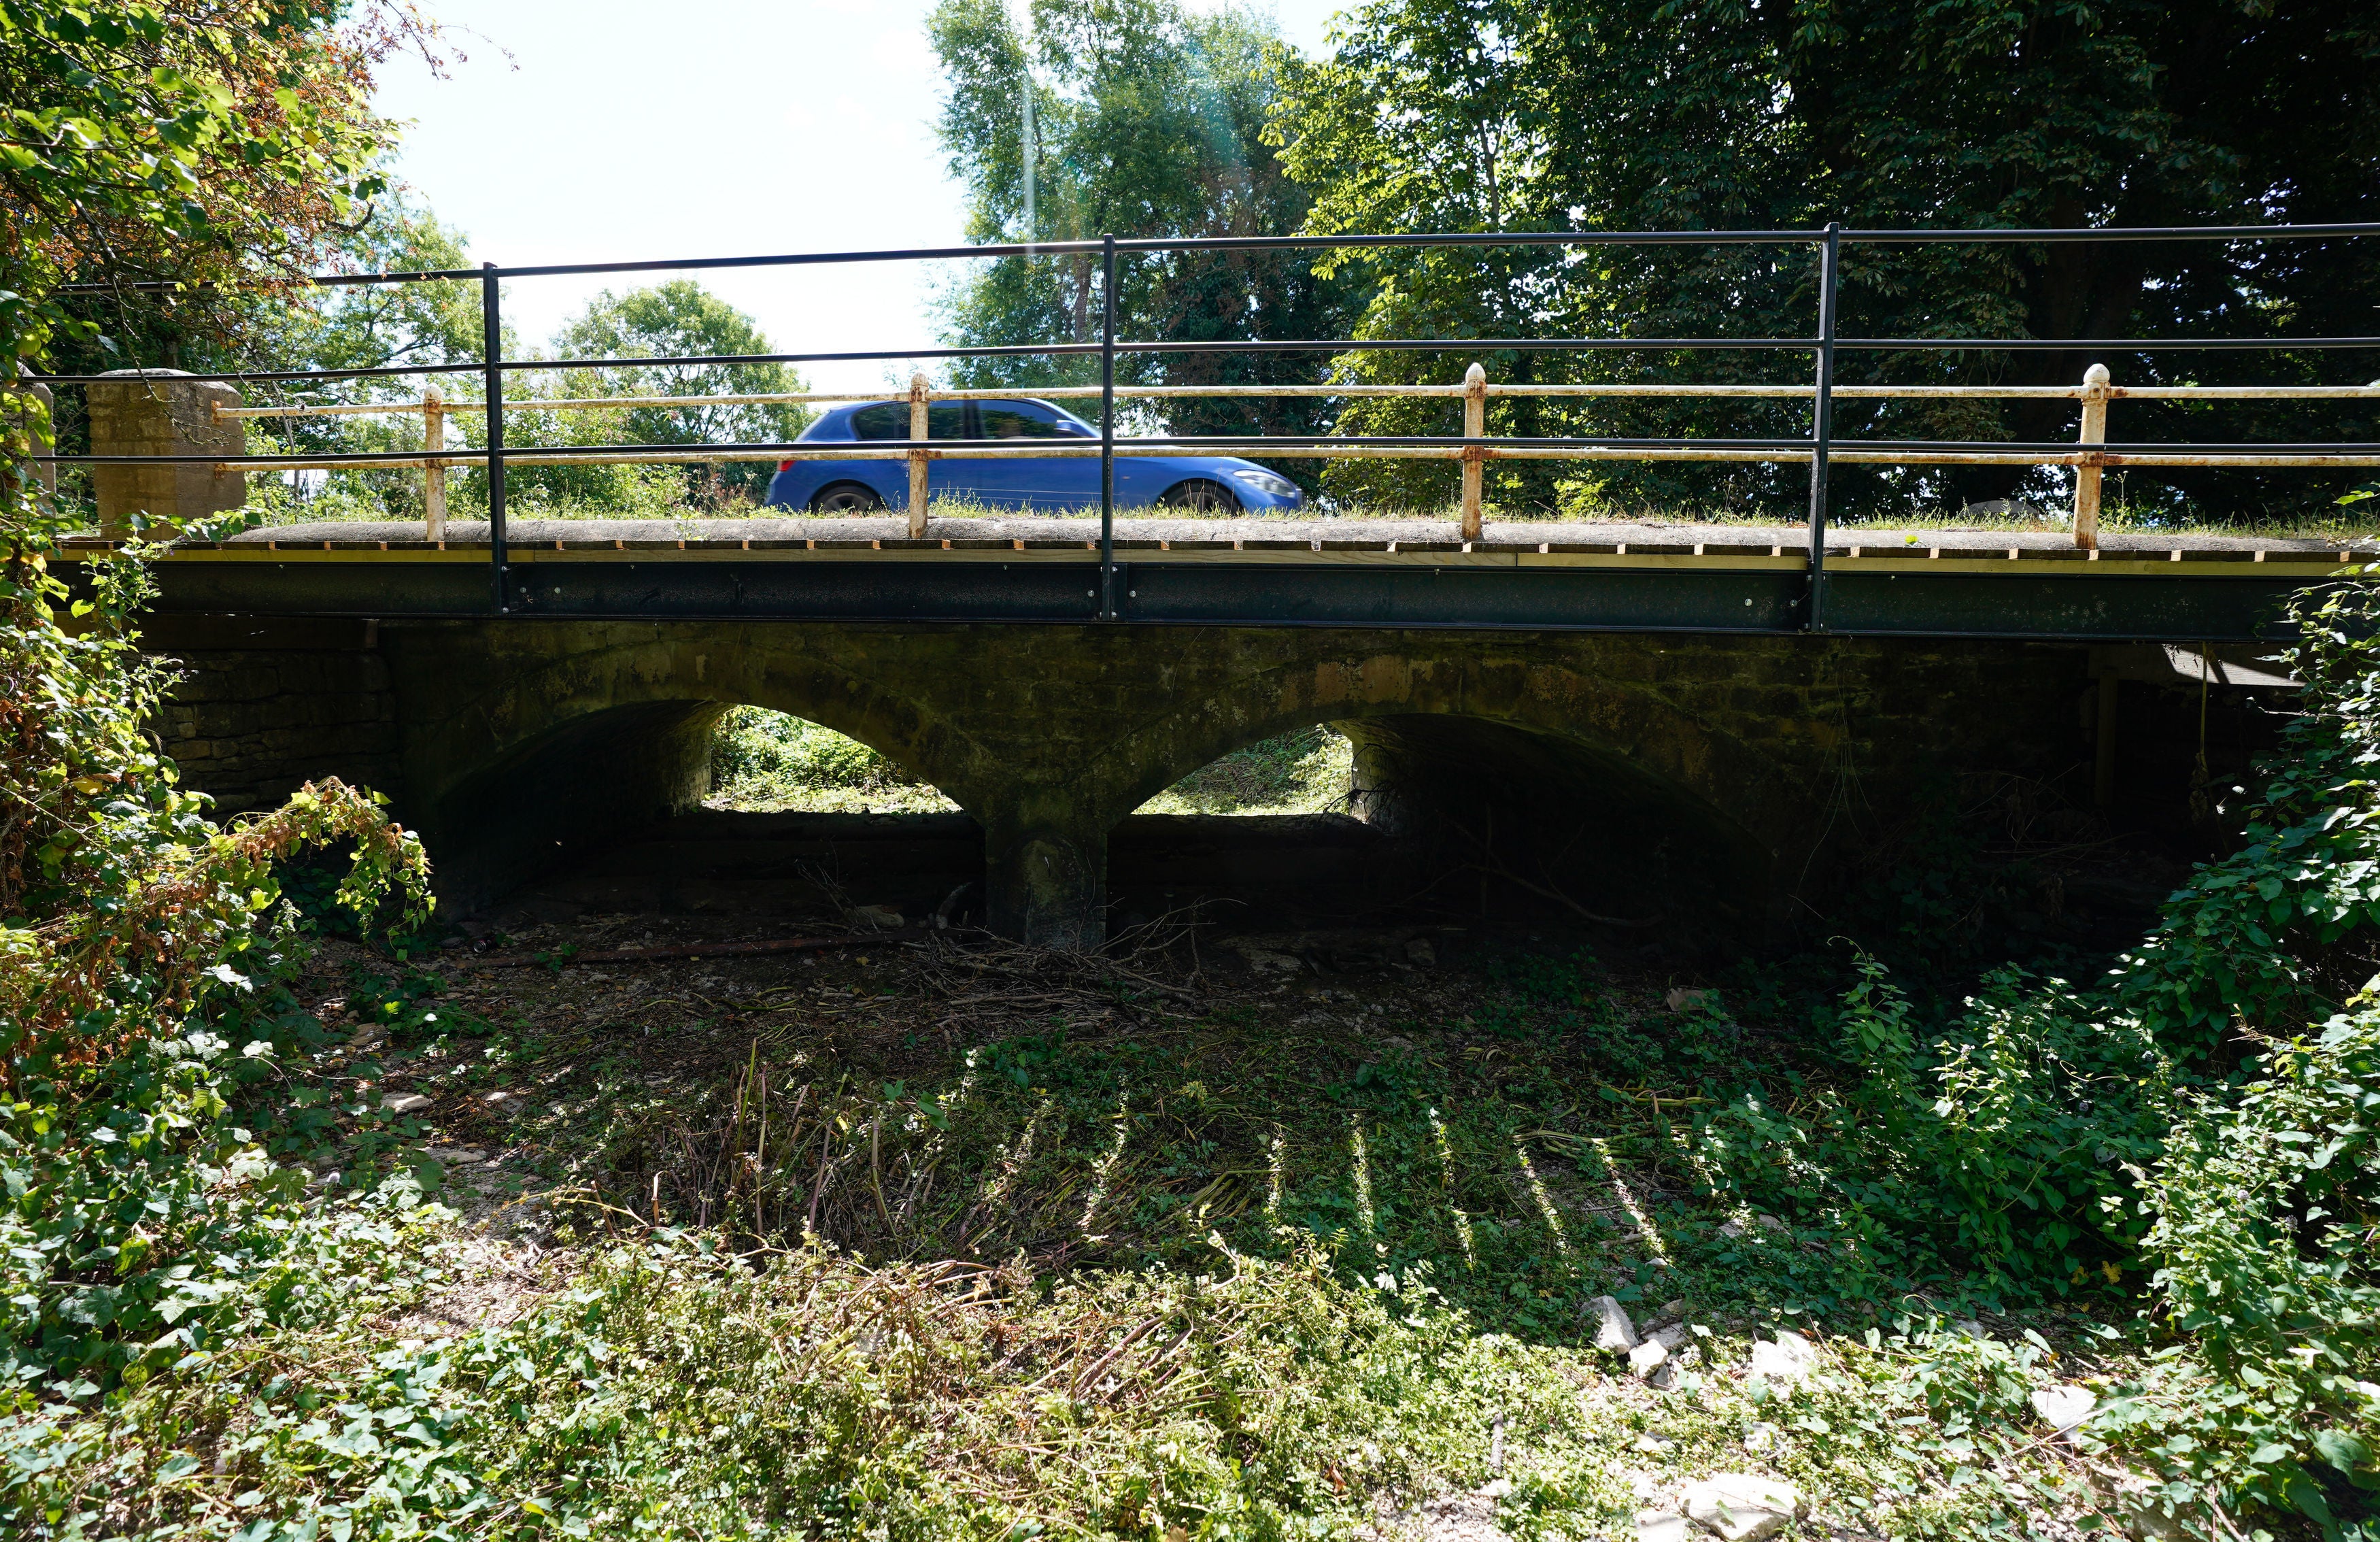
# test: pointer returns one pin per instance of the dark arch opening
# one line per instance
(621, 810)
(580, 785)
(1546, 826)
(1440, 817)
(1261, 835)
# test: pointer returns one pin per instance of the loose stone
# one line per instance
(1613, 1331)
(1742, 1507)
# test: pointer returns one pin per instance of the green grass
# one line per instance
(1303, 772)
(764, 760)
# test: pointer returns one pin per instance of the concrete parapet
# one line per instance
(162, 412)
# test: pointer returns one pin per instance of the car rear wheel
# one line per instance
(847, 498)
(1199, 497)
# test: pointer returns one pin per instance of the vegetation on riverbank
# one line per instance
(311, 1226)
(977, 1239)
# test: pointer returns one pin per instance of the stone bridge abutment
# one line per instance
(1736, 763)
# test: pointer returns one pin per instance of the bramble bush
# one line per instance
(144, 951)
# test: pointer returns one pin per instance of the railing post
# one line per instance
(918, 396)
(1822, 427)
(1474, 426)
(2086, 472)
(434, 473)
(1107, 429)
(491, 355)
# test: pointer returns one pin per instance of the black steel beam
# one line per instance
(1858, 602)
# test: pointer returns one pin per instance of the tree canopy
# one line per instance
(210, 144)
(1148, 121)
(677, 318)
(1488, 115)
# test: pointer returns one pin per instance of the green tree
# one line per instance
(369, 326)
(1489, 115)
(364, 327)
(1148, 121)
(211, 143)
(678, 319)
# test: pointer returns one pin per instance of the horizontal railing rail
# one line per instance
(2026, 236)
(2089, 455)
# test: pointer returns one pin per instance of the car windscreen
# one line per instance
(1020, 421)
(891, 420)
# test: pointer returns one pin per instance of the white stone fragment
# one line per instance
(404, 1102)
(1742, 1507)
(1613, 1331)
(2062, 1407)
(1786, 1363)
(1659, 1526)
(1647, 1358)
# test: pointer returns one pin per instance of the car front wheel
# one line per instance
(847, 498)
(1199, 497)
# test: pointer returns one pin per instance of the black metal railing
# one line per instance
(1819, 445)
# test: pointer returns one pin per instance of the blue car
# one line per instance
(1205, 484)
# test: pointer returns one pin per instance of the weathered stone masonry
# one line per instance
(512, 745)
(261, 708)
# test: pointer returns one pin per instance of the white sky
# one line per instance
(708, 128)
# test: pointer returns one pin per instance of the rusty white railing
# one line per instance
(2096, 393)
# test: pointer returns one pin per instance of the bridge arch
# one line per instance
(522, 738)
(562, 749)
(1448, 749)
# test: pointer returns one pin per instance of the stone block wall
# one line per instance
(265, 706)
(1747, 764)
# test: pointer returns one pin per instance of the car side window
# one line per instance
(1018, 420)
(891, 420)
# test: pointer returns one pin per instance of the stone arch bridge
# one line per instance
(1744, 761)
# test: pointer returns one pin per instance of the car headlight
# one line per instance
(1264, 481)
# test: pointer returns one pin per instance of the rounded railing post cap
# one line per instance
(2096, 375)
(1473, 375)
